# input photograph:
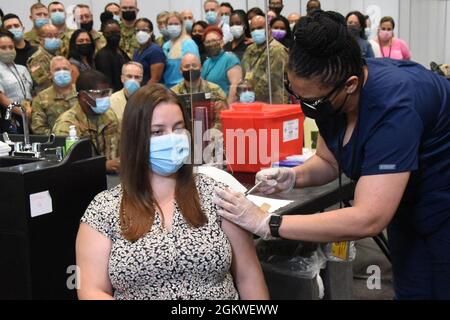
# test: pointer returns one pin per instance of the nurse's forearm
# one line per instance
(333, 226)
(315, 172)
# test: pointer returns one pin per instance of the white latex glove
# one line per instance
(241, 211)
(276, 180)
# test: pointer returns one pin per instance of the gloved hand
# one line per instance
(241, 211)
(276, 180)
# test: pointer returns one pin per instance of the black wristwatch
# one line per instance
(274, 225)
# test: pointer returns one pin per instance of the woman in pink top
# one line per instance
(391, 47)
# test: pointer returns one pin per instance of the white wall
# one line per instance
(422, 23)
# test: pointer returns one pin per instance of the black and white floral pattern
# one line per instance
(184, 263)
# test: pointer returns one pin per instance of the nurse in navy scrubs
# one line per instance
(385, 124)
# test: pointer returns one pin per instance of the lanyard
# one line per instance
(19, 79)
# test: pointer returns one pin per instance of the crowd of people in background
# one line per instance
(226, 55)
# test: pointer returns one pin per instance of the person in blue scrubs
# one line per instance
(149, 54)
(385, 124)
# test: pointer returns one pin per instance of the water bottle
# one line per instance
(72, 138)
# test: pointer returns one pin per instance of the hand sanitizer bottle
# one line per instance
(72, 138)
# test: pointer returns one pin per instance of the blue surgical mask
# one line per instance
(39, 22)
(131, 86)
(62, 78)
(116, 17)
(58, 18)
(368, 32)
(164, 32)
(174, 31)
(188, 25)
(226, 19)
(259, 36)
(168, 153)
(247, 97)
(211, 17)
(52, 44)
(101, 105)
(18, 33)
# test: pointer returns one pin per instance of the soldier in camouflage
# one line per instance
(254, 64)
(162, 27)
(83, 18)
(128, 42)
(193, 83)
(57, 99)
(58, 17)
(39, 16)
(93, 118)
(39, 63)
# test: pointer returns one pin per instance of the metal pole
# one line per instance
(269, 72)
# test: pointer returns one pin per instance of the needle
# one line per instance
(252, 189)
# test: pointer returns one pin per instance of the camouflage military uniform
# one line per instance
(48, 106)
(39, 66)
(103, 130)
(254, 64)
(32, 37)
(128, 42)
(218, 97)
(98, 38)
(65, 39)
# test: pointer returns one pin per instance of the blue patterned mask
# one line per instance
(58, 18)
(188, 25)
(101, 105)
(247, 97)
(174, 31)
(259, 36)
(211, 17)
(131, 86)
(39, 22)
(18, 33)
(52, 44)
(168, 153)
(62, 78)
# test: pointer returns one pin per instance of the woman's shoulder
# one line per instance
(103, 212)
(108, 197)
(206, 184)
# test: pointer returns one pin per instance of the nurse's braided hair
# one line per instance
(324, 50)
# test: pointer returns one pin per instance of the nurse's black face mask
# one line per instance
(319, 109)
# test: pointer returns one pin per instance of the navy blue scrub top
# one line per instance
(403, 125)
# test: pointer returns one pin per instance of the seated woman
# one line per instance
(81, 52)
(222, 68)
(158, 235)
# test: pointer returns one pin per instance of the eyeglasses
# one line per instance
(101, 93)
(311, 102)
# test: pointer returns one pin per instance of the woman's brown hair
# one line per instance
(138, 207)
